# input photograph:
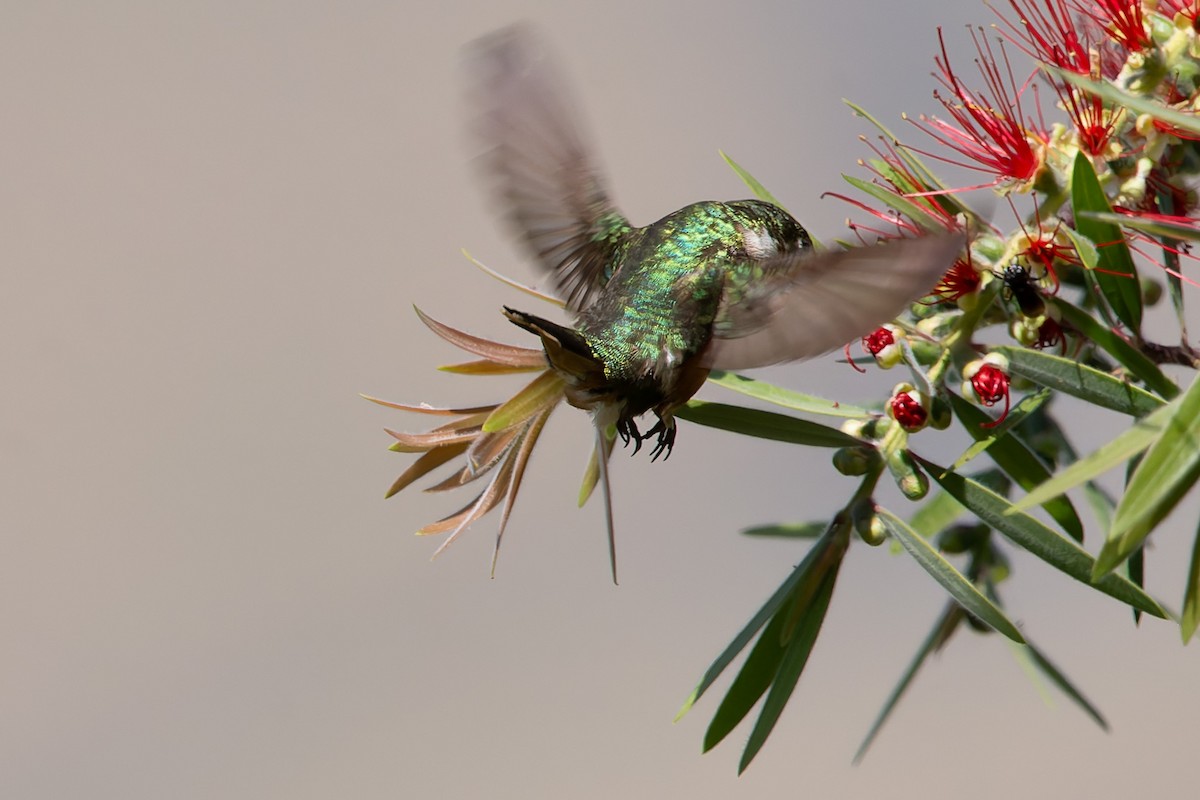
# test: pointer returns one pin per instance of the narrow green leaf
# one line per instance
(1169, 469)
(759, 190)
(948, 201)
(1044, 665)
(1079, 380)
(1085, 248)
(1019, 462)
(818, 552)
(1120, 449)
(1117, 347)
(799, 647)
(792, 530)
(764, 424)
(752, 681)
(986, 436)
(1118, 98)
(786, 398)
(1150, 226)
(1056, 549)
(1115, 273)
(939, 512)
(953, 581)
(902, 204)
(1190, 619)
(950, 619)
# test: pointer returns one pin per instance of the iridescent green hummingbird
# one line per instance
(714, 285)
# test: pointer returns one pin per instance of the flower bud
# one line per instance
(884, 344)
(854, 460)
(909, 408)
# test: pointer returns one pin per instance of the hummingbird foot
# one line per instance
(628, 432)
(665, 428)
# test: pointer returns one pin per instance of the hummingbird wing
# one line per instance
(806, 304)
(538, 165)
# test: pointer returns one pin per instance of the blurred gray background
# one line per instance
(217, 219)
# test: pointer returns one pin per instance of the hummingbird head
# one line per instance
(767, 230)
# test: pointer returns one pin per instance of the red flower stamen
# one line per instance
(961, 280)
(1122, 20)
(1048, 35)
(1049, 334)
(992, 130)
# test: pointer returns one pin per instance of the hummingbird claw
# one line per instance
(666, 439)
(628, 431)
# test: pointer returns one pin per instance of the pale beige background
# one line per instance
(216, 219)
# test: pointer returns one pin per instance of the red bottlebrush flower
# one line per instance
(907, 409)
(1048, 34)
(1044, 249)
(1122, 20)
(1050, 333)
(992, 130)
(986, 382)
(1087, 113)
(961, 281)
(1190, 9)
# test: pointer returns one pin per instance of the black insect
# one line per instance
(1023, 289)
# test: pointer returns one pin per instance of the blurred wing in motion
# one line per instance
(806, 304)
(537, 163)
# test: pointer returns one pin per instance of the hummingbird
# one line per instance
(714, 285)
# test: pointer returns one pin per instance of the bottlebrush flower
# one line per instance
(1123, 20)
(986, 382)
(992, 130)
(1046, 32)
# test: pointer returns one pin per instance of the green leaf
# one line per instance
(950, 619)
(1044, 665)
(1119, 98)
(1115, 273)
(1149, 226)
(795, 657)
(1169, 469)
(1117, 347)
(1085, 248)
(1079, 380)
(1019, 462)
(985, 437)
(764, 424)
(1190, 618)
(793, 530)
(759, 190)
(817, 554)
(751, 683)
(784, 397)
(1140, 435)
(1056, 549)
(953, 581)
(939, 512)
(902, 204)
